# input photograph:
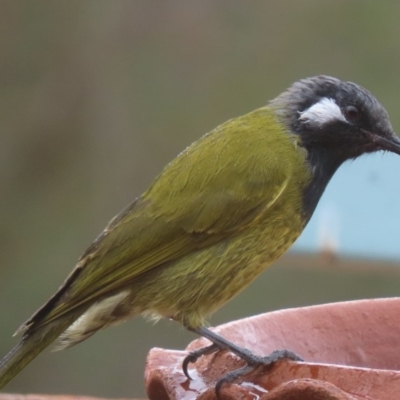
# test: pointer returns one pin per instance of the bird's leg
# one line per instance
(219, 343)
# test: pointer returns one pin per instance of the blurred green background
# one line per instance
(97, 96)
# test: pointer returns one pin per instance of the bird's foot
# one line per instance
(252, 361)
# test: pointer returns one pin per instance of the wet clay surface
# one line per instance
(351, 352)
(9, 396)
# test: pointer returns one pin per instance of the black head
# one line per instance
(336, 121)
(336, 117)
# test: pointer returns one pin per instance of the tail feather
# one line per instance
(30, 346)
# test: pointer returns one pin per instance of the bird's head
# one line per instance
(335, 120)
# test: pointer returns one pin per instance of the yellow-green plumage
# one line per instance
(218, 214)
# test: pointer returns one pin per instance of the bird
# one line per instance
(218, 215)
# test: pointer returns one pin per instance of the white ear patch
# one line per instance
(326, 110)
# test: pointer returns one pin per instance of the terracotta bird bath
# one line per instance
(351, 352)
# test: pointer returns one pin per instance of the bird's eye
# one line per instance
(351, 113)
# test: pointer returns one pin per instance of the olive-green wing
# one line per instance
(209, 193)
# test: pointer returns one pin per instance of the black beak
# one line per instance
(391, 143)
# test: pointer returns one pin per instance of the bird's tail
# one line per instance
(32, 343)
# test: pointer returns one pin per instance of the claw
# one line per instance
(194, 355)
(190, 358)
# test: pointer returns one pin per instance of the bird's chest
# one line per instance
(283, 237)
(275, 232)
(257, 248)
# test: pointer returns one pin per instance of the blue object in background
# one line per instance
(359, 213)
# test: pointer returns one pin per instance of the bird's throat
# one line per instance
(323, 165)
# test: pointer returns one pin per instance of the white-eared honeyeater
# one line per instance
(216, 216)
